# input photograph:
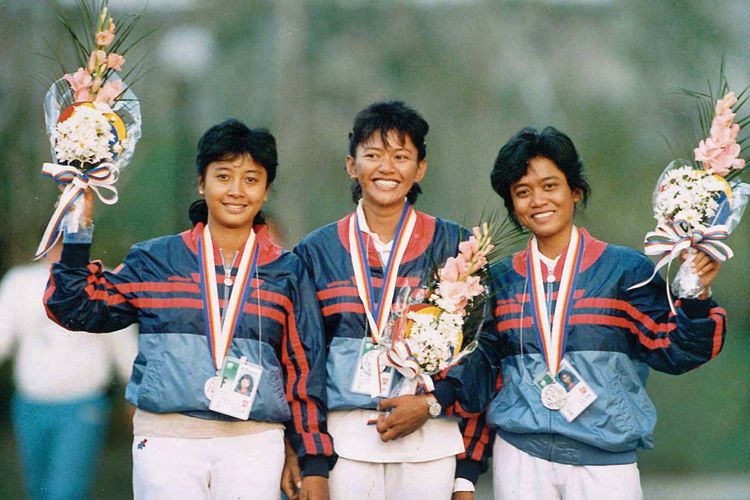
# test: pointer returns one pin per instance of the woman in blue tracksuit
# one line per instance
(394, 248)
(221, 295)
(572, 342)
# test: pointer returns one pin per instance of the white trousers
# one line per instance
(352, 479)
(240, 467)
(518, 475)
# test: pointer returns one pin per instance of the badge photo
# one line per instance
(236, 387)
(370, 377)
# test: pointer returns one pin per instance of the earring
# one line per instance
(200, 192)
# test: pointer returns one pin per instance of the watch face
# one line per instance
(434, 408)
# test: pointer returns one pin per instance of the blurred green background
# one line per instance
(602, 71)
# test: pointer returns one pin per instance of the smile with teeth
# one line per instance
(234, 207)
(386, 183)
(543, 215)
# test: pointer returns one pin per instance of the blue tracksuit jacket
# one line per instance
(157, 287)
(614, 336)
(326, 254)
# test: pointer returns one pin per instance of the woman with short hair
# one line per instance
(214, 304)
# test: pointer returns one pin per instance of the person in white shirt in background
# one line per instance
(60, 408)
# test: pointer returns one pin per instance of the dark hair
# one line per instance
(513, 161)
(227, 140)
(384, 117)
(245, 376)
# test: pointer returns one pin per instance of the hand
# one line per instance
(706, 268)
(409, 414)
(291, 477)
(463, 495)
(314, 488)
(87, 216)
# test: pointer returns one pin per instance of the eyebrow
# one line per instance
(544, 179)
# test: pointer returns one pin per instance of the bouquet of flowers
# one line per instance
(439, 330)
(93, 120)
(698, 204)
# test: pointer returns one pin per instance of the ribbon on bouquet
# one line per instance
(102, 176)
(401, 358)
(672, 237)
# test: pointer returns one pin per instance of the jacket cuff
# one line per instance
(468, 469)
(445, 393)
(696, 308)
(80, 235)
(315, 465)
(75, 254)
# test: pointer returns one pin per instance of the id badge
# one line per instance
(371, 377)
(580, 393)
(235, 387)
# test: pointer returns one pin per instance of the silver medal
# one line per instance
(209, 389)
(554, 396)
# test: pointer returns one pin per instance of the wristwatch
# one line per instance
(433, 407)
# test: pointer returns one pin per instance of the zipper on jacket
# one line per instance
(227, 279)
(550, 286)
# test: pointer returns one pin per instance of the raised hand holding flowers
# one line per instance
(93, 121)
(698, 204)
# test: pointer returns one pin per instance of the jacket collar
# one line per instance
(269, 251)
(592, 250)
(421, 238)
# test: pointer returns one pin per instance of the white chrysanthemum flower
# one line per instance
(84, 137)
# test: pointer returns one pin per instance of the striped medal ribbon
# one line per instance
(220, 327)
(378, 308)
(552, 334)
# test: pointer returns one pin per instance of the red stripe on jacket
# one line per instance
(301, 381)
(606, 320)
(717, 314)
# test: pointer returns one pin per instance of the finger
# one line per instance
(386, 404)
(381, 425)
(297, 477)
(287, 486)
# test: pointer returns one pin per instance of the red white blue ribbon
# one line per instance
(102, 176)
(378, 306)
(552, 332)
(401, 358)
(670, 238)
(220, 328)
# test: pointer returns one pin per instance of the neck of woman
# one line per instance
(383, 221)
(229, 240)
(553, 246)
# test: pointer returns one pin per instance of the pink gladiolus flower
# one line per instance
(469, 247)
(115, 61)
(473, 286)
(455, 269)
(104, 38)
(719, 158)
(456, 293)
(97, 58)
(80, 82)
(725, 104)
(109, 92)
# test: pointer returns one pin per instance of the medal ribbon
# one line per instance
(401, 358)
(220, 328)
(104, 175)
(552, 335)
(378, 308)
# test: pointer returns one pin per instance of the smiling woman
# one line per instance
(573, 342)
(213, 304)
(390, 249)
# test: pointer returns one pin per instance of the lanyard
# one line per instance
(378, 307)
(220, 328)
(552, 335)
